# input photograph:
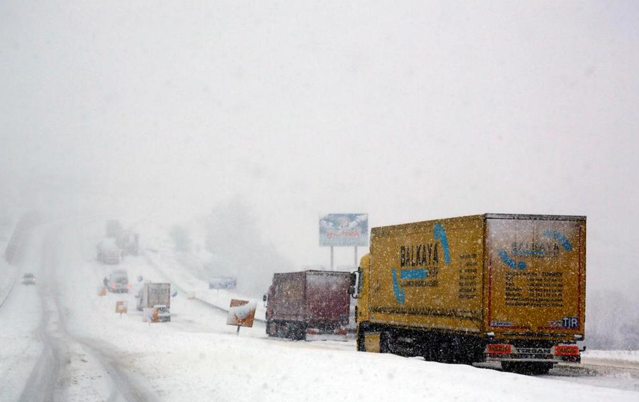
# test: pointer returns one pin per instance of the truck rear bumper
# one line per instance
(522, 360)
(509, 353)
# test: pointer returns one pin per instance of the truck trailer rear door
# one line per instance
(535, 274)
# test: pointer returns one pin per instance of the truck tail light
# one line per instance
(566, 350)
(500, 349)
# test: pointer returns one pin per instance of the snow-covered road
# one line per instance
(56, 365)
(20, 343)
(60, 341)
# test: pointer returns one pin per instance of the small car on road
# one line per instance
(164, 313)
(118, 281)
(28, 279)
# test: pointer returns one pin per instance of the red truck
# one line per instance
(307, 302)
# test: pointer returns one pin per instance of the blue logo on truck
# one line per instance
(414, 274)
(503, 255)
(440, 234)
(399, 292)
(535, 249)
(560, 238)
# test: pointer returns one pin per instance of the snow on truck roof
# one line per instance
(108, 244)
(537, 217)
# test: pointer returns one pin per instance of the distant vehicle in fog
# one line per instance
(154, 295)
(128, 242)
(28, 279)
(108, 252)
(118, 281)
(164, 314)
(113, 228)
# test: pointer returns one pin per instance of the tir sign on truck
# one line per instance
(492, 287)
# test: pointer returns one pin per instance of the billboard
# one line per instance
(344, 230)
(223, 282)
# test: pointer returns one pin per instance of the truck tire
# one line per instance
(361, 336)
(384, 342)
(526, 368)
(271, 328)
(299, 332)
(429, 354)
(289, 330)
(360, 341)
(540, 368)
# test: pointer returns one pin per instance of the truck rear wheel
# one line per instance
(384, 342)
(271, 328)
(360, 342)
(298, 332)
(361, 336)
(526, 368)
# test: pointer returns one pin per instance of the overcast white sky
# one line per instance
(406, 110)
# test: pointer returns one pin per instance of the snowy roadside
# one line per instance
(621, 356)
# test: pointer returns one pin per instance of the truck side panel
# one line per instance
(156, 294)
(327, 298)
(287, 301)
(428, 274)
(536, 275)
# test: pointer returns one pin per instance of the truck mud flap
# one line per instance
(372, 342)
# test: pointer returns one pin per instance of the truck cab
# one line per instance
(108, 252)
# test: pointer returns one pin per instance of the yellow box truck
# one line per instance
(492, 287)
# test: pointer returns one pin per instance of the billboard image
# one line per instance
(344, 230)
(223, 282)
